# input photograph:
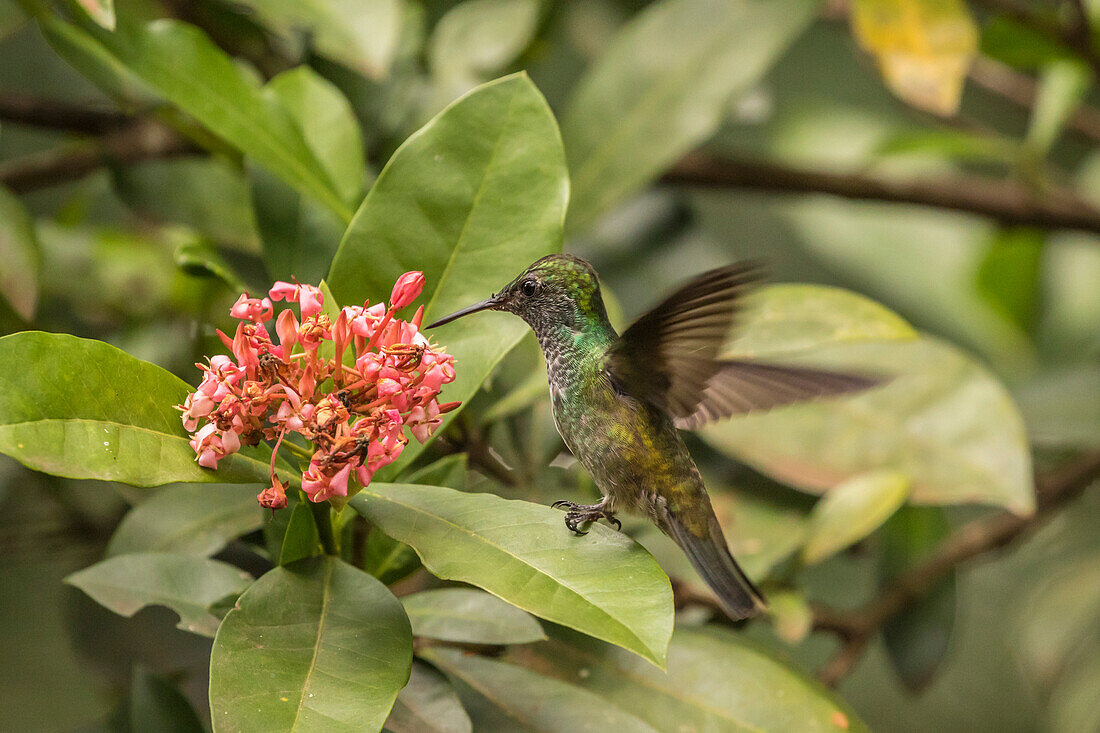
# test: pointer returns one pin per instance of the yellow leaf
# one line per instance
(923, 48)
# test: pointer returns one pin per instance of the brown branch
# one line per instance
(1001, 200)
(138, 141)
(976, 539)
(1022, 90)
(36, 112)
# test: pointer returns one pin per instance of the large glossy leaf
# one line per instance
(469, 616)
(785, 321)
(943, 422)
(663, 87)
(301, 538)
(83, 409)
(192, 519)
(362, 34)
(852, 510)
(602, 583)
(717, 680)
(502, 696)
(18, 256)
(428, 704)
(186, 68)
(313, 646)
(470, 200)
(187, 584)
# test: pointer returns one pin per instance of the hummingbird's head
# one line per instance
(556, 290)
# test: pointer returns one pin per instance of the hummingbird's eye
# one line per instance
(529, 287)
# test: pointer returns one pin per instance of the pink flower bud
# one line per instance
(406, 289)
(252, 309)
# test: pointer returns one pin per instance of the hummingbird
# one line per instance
(620, 401)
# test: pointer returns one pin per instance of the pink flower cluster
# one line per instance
(355, 415)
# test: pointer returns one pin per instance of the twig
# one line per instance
(1004, 201)
(37, 112)
(977, 538)
(138, 141)
(1022, 91)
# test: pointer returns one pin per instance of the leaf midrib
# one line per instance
(325, 589)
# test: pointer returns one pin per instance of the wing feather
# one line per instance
(669, 357)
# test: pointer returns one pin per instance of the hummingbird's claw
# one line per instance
(578, 514)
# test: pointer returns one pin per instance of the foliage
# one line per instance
(157, 159)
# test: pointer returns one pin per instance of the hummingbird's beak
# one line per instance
(487, 304)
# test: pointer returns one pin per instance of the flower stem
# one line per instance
(322, 515)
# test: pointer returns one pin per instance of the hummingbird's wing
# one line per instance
(669, 357)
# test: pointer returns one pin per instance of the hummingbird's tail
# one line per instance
(711, 558)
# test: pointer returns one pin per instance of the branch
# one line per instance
(140, 140)
(1006, 202)
(1022, 90)
(26, 110)
(977, 538)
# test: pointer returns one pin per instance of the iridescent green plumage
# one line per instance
(619, 399)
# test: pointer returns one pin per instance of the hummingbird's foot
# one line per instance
(578, 514)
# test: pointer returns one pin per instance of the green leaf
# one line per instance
(602, 584)
(917, 637)
(328, 126)
(19, 257)
(156, 704)
(83, 409)
(301, 538)
(1017, 44)
(187, 584)
(199, 258)
(470, 200)
(1009, 275)
(428, 704)
(943, 421)
(299, 235)
(663, 87)
(501, 696)
(791, 616)
(85, 53)
(183, 65)
(313, 646)
(190, 519)
(795, 320)
(387, 559)
(1062, 86)
(717, 680)
(852, 510)
(362, 34)
(469, 616)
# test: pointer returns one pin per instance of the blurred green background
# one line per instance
(146, 253)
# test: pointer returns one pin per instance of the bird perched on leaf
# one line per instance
(619, 400)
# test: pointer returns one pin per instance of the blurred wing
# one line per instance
(669, 355)
(742, 386)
